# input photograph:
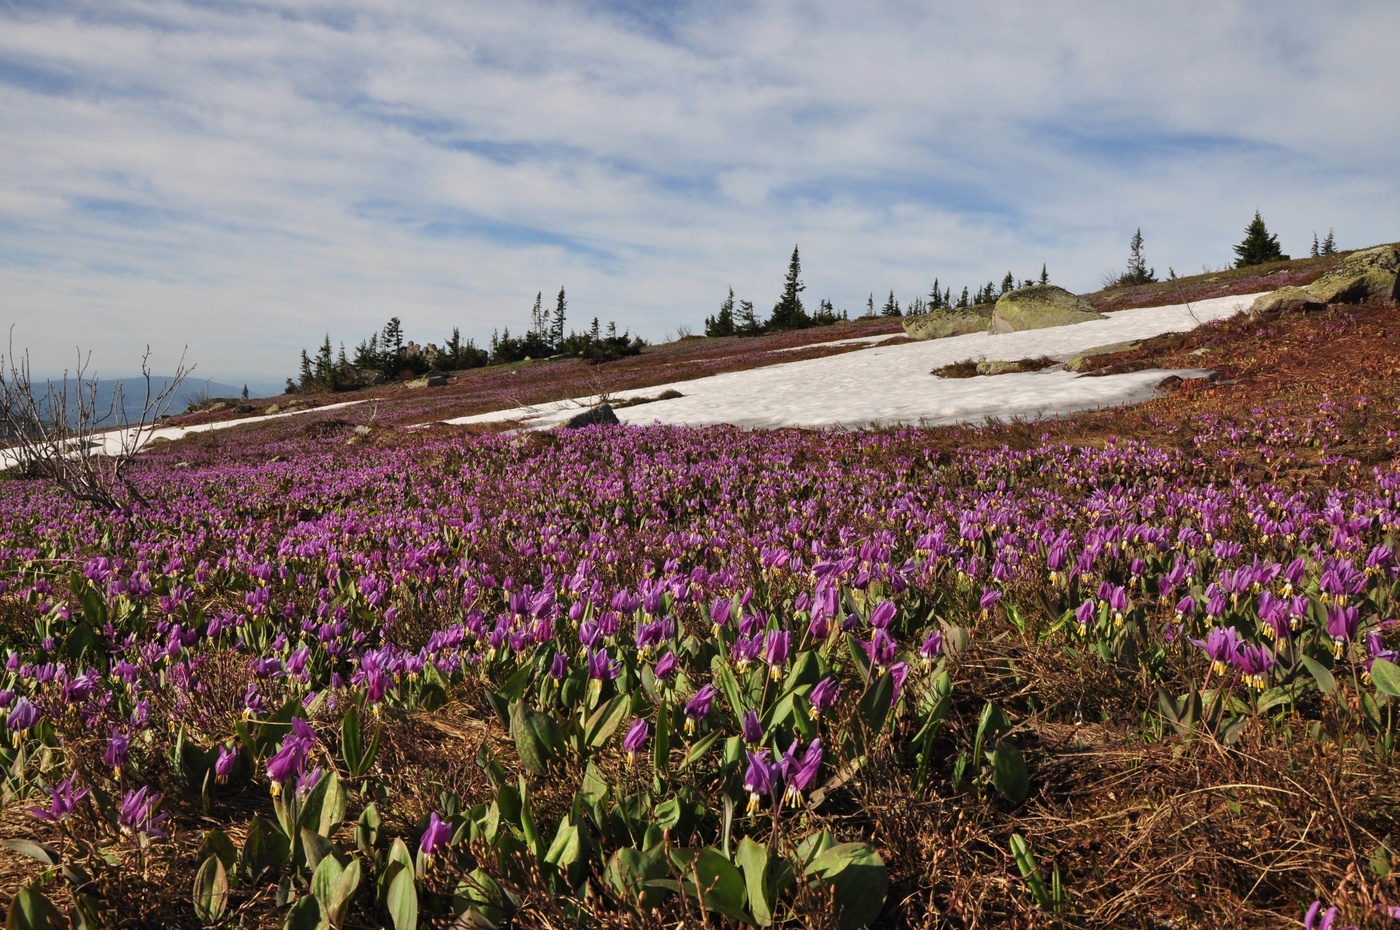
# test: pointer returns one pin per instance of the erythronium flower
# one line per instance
(665, 666)
(899, 672)
(989, 599)
(775, 652)
(63, 801)
(601, 668)
(1342, 623)
(698, 707)
(1254, 662)
(824, 696)
(118, 745)
(1318, 919)
(751, 728)
(435, 839)
(558, 668)
(1084, 615)
(881, 649)
(931, 647)
(636, 738)
(882, 615)
(799, 776)
(138, 813)
(23, 715)
(1221, 644)
(223, 765)
(758, 779)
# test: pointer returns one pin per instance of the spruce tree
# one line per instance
(935, 296)
(1138, 272)
(1313, 251)
(556, 330)
(1044, 275)
(1329, 245)
(1008, 283)
(1258, 246)
(722, 323)
(788, 312)
(747, 324)
(870, 304)
(891, 307)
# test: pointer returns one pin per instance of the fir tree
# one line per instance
(722, 324)
(870, 304)
(556, 331)
(891, 307)
(747, 323)
(244, 395)
(788, 312)
(1329, 245)
(306, 374)
(1258, 246)
(963, 301)
(1313, 251)
(1138, 272)
(1044, 275)
(1008, 283)
(935, 296)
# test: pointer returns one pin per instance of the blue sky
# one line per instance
(243, 177)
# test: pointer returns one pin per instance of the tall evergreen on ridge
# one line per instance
(1044, 275)
(788, 312)
(891, 307)
(722, 323)
(1258, 246)
(556, 330)
(1329, 245)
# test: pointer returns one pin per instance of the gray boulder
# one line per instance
(939, 324)
(601, 415)
(1286, 300)
(1039, 307)
(1083, 360)
(1373, 274)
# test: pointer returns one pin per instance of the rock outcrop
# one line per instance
(1039, 307)
(1372, 274)
(601, 415)
(1286, 300)
(938, 324)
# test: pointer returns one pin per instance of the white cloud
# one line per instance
(243, 178)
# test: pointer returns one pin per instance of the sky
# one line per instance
(235, 180)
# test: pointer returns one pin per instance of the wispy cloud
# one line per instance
(244, 177)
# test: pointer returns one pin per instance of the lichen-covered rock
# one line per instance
(1286, 300)
(1372, 274)
(939, 324)
(1040, 307)
(601, 415)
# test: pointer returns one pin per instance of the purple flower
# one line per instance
(289, 761)
(558, 668)
(899, 672)
(824, 696)
(882, 615)
(698, 707)
(1084, 614)
(223, 765)
(751, 728)
(636, 738)
(799, 775)
(882, 648)
(601, 668)
(758, 778)
(138, 813)
(989, 599)
(775, 652)
(665, 666)
(63, 801)
(118, 745)
(435, 839)
(1318, 919)
(1342, 623)
(719, 613)
(23, 716)
(931, 647)
(1254, 662)
(1221, 645)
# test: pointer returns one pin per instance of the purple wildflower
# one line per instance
(63, 801)
(775, 652)
(636, 738)
(758, 779)
(824, 696)
(435, 838)
(751, 728)
(138, 813)
(665, 666)
(698, 707)
(799, 776)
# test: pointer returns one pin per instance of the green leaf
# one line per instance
(753, 860)
(265, 848)
(210, 892)
(698, 749)
(317, 848)
(1326, 683)
(538, 740)
(605, 721)
(569, 851)
(217, 843)
(402, 900)
(875, 702)
(351, 740)
(34, 850)
(860, 878)
(30, 910)
(1009, 772)
(719, 885)
(306, 914)
(335, 887)
(637, 877)
(527, 822)
(1026, 865)
(1386, 675)
(728, 686)
(367, 829)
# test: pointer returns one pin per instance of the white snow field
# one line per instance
(888, 385)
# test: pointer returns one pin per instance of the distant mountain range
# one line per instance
(133, 396)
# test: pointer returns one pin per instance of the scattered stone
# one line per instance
(437, 379)
(1018, 366)
(602, 415)
(1286, 300)
(241, 408)
(278, 458)
(273, 410)
(1083, 360)
(362, 430)
(1170, 383)
(1373, 274)
(1040, 307)
(216, 407)
(939, 324)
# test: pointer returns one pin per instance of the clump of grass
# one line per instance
(967, 368)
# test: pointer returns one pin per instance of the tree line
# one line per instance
(386, 356)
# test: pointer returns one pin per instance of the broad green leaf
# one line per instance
(402, 900)
(316, 847)
(605, 721)
(753, 860)
(1009, 772)
(569, 851)
(351, 740)
(1326, 682)
(636, 876)
(306, 914)
(217, 843)
(538, 741)
(698, 750)
(860, 878)
(719, 885)
(34, 850)
(30, 910)
(367, 829)
(265, 848)
(210, 893)
(1386, 675)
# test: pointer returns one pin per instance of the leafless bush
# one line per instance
(64, 434)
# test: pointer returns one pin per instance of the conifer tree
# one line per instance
(556, 330)
(963, 300)
(870, 304)
(747, 324)
(1313, 253)
(1138, 272)
(722, 323)
(1258, 246)
(788, 312)
(891, 307)
(935, 296)
(1044, 275)
(1329, 245)
(1008, 283)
